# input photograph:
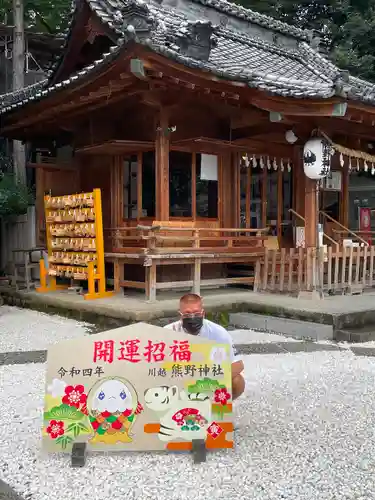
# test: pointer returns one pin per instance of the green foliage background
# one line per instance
(14, 197)
(50, 16)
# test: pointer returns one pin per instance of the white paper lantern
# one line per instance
(317, 155)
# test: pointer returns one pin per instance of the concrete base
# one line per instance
(339, 312)
(313, 295)
(8, 493)
(363, 351)
(284, 326)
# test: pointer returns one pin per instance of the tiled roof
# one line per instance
(249, 47)
(38, 91)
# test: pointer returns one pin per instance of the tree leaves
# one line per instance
(14, 196)
(49, 16)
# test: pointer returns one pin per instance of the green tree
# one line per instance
(50, 16)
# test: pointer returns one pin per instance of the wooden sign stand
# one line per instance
(79, 453)
(92, 269)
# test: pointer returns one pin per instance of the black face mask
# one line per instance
(192, 325)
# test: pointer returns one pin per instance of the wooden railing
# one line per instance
(296, 214)
(339, 269)
(165, 239)
(344, 230)
(368, 236)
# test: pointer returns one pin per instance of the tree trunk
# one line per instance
(18, 83)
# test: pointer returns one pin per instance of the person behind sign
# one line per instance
(192, 321)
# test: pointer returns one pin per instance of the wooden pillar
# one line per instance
(344, 196)
(280, 204)
(117, 182)
(264, 196)
(298, 184)
(227, 205)
(310, 213)
(236, 191)
(162, 167)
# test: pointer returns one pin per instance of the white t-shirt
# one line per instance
(210, 331)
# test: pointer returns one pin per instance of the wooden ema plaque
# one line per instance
(74, 232)
(138, 388)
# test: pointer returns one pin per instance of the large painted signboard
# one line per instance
(139, 387)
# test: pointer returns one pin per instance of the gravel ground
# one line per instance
(304, 431)
(249, 336)
(26, 330)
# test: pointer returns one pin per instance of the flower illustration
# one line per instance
(55, 429)
(74, 396)
(214, 430)
(57, 388)
(221, 396)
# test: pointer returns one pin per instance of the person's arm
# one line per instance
(237, 367)
(237, 363)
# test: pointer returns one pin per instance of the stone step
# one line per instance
(363, 351)
(363, 334)
(303, 330)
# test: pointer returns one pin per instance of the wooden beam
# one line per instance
(246, 118)
(334, 126)
(168, 67)
(295, 107)
(161, 98)
(116, 98)
(57, 101)
(264, 148)
(116, 147)
(51, 166)
(57, 110)
(258, 130)
(102, 97)
(274, 132)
